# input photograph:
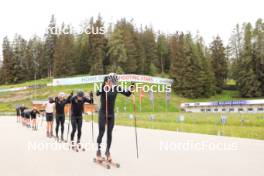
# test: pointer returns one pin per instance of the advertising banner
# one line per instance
(100, 78)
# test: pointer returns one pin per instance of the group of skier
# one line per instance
(27, 116)
(107, 93)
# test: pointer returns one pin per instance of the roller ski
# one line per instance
(57, 139)
(62, 140)
(109, 160)
(72, 146)
(76, 147)
(101, 161)
(79, 147)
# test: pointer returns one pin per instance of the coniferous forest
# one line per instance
(198, 69)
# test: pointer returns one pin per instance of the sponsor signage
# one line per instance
(100, 78)
(224, 103)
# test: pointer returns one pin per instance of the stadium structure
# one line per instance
(235, 106)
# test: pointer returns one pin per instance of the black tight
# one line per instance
(60, 119)
(110, 127)
(76, 123)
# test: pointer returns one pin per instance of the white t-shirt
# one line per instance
(50, 107)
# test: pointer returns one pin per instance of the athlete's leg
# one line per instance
(74, 126)
(110, 127)
(101, 126)
(79, 128)
(62, 121)
(57, 125)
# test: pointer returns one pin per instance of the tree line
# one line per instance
(197, 70)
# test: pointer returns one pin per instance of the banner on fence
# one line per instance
(100, 78)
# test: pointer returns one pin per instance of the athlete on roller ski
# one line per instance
(27, 118)
(33, 115)
(77, 109)
(22, 113)
(49, 109)
(60, 103)
(108, 93)
(18, 113)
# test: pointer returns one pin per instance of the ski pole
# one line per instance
(92, 127)
(69, 124)
(38, 120)
(92, 110)
(106, 109)
(135, 123)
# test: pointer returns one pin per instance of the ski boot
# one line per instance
(72, 146)
(101, 161)
(99, 156)
(79, 146)
(62, 139)
(108, 156)
(110, 161)
(57, 138)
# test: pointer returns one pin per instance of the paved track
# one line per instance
(161, 153)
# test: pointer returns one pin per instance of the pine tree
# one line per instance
(97, 47)
(140, 55)
(192, 81)
(82, 51)
(63, 56)
(49, 47)
(190, 67)
(19, 58)
(258, 53)
(163, 52)
(151, 52)
(247, 81)
(81, 54)
(117, 52)
(38, 56)
(219, 63)
(29, 60)
(177, 61)
(206, 74)
(129, 37)
(8, 62)
(236, 48)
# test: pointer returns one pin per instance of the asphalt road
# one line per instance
(29, 153)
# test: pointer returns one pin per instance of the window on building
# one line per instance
(260, 109)
(240, 109)
(202, 110)
(231, 110)
(250, 109)
(223, 109)
(208, 110)
(216, 110)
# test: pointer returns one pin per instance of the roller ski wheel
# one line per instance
(79, 147)
(110, 161)
(62, 140)
(72, 146)
(57, 139)
(101, 162)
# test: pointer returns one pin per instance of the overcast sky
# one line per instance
(209, 17)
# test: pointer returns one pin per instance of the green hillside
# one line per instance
(8, 100)
(238, 125)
